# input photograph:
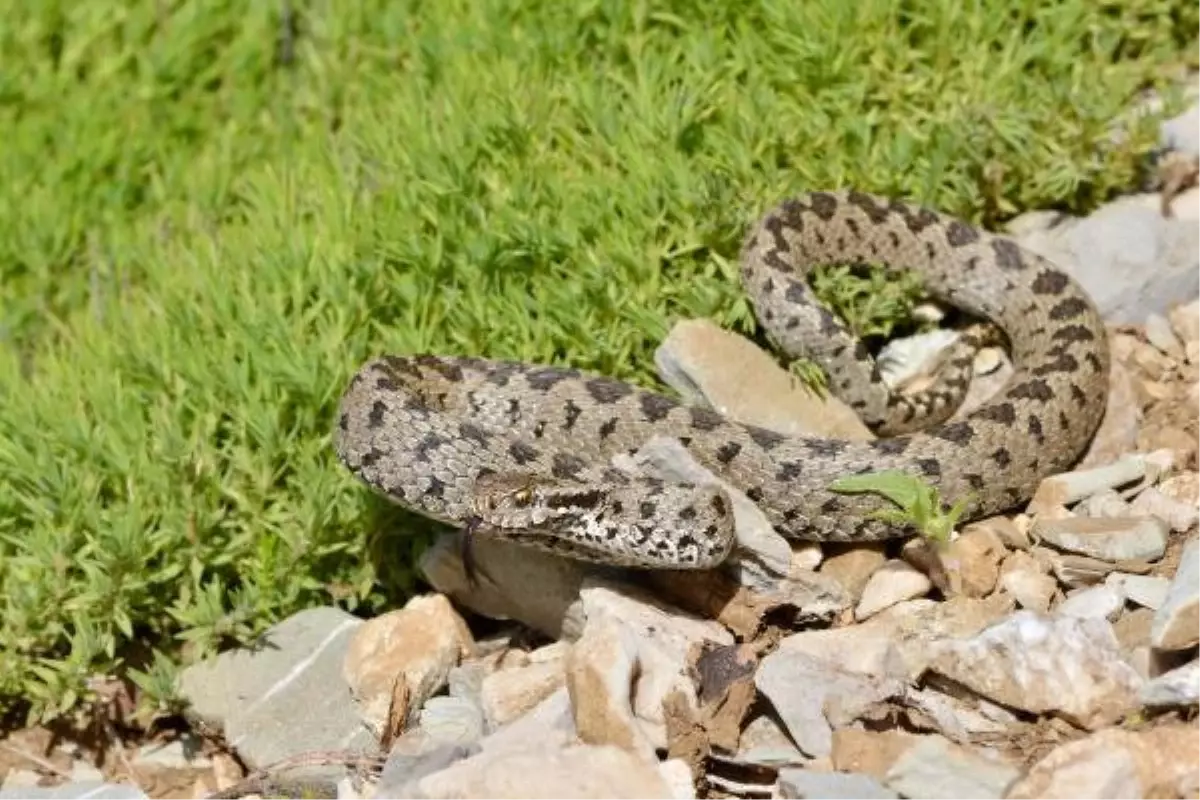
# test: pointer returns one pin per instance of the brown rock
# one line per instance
(852, 568)
(510, 693)
(973, 561)
(869, 752)
(600, 679)
(1160, 762)
(418, 644)
(1028, 580)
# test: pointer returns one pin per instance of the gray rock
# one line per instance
(449, 730)
(514, 582)
(763, 742)
(1097, 602)
(1131, 259)
(1179, 687)
(938, 768)
(1121, 539)
(91, 790)
(806, 783)
(961, 721)
(813, 697)
(285, 696)
(1147, 591)
(1182, 133)
(1176, 622)
(728, 373)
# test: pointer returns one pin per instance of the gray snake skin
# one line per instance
(523, 452)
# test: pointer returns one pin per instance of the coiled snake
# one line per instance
(523, 452)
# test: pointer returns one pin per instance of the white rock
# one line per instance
(1057, 664)
(1125, 539)
(1180, 515)
(451, 720)
(937, 768)
(1070, 487)
(893, 582)
(1148, 591)
(1159, 333)
(601, 680)
(661, 636)
(901, 360)
(1098, 602)
(1179, 687)
(806, 692)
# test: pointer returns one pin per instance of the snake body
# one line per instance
(524, 452)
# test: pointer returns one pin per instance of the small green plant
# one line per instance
(811, 375)
(873, 301)
(918, 504)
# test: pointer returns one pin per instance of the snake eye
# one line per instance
(523, 497)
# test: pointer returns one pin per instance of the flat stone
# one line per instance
(805, 783)
(661, 637)
(961, 720)
(91, 790)
(735, 378)
(1148, 591)
(579, 771)
(1066, 488)
(1058, 664)
(449, 731)
(1182, 133)
(286, 695)
(510, 693)
(937, 768)
(600, 679)
(1097, 602)
(1127, 539)
(764, 742)
(1180, 515)
(1177, 621)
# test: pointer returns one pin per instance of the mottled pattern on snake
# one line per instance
(524, 451)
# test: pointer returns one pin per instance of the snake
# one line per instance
(530, 453)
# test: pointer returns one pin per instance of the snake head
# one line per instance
(525, 503)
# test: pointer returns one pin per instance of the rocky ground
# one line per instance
(1047, 653)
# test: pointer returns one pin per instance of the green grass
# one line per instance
(208, 222)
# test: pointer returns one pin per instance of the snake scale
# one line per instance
(523, 451)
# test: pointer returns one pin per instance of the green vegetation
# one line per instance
(917, 503)
(211, 215)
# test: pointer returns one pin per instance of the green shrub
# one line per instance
(212, 215)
